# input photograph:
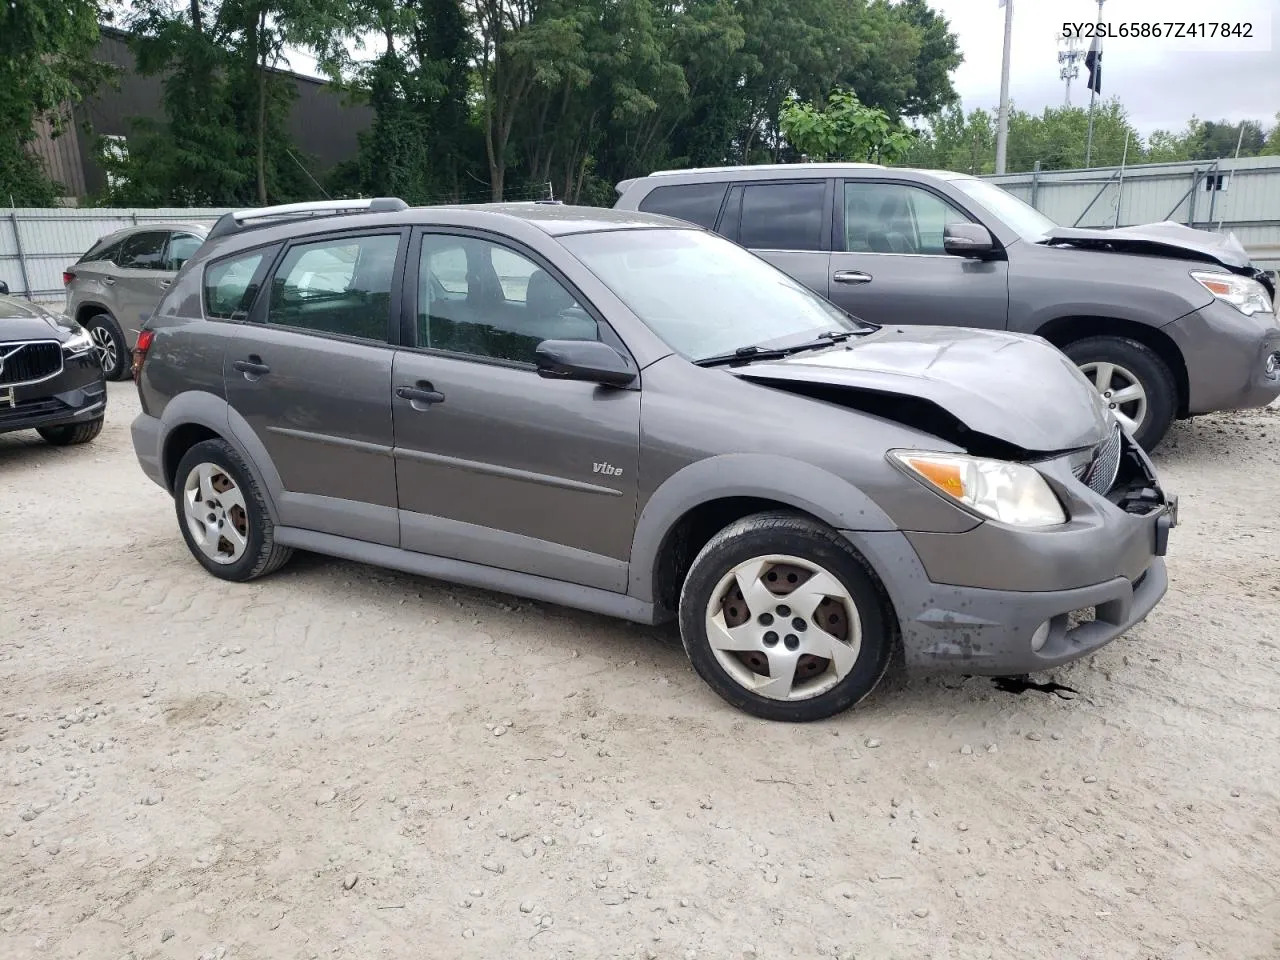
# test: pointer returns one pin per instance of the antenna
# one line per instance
(1069, 57)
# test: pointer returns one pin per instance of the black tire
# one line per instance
(103, 326)
(1146, 366)
(262, 555)
(797, 536)
(71, 434)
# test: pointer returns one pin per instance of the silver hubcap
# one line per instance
(783, 627)
(1121, 389)
(105, 346)
(215, 512)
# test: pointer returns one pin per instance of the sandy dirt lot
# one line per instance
(343, 761)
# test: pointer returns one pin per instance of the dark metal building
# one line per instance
(321, 123)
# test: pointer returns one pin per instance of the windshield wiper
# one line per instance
(756, 352)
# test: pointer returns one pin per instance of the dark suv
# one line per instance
(50, 380)
(1166, 321)
(624, 413)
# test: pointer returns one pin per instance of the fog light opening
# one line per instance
(1273, 361)
(1040, 637)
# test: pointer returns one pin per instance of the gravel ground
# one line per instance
(345, 761)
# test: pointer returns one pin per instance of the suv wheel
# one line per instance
(782, 618)
(71, 434)
(109, 344)
(223, 515)
(1134, 381)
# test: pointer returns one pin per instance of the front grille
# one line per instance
(1100, 473)
(29, 362)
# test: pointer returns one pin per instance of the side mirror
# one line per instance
(4, 287)
(967, 240)
(588, 360)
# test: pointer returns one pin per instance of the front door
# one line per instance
(310, 377)
(494, 464)
(890, 267)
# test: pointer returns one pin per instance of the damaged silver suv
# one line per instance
(624, 413)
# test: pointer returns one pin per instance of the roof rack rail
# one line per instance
(239, 220)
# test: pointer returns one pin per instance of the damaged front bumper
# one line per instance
(998, 600)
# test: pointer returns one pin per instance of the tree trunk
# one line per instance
(196, 20)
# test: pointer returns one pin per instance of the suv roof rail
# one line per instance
(239, 220)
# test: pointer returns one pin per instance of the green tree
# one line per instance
(46, 66)
(843, 130)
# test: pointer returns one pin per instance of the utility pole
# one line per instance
(1093, 90)
(1002, 136)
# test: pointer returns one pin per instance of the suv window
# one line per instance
(231, 285)
(104, 250)
(895, 218)
(143, 251)
(340, 286)
(695, 202)
(782, 216)
(484, 300)
(181, 247)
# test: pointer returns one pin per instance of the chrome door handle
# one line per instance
(252, 368)
(108, 280)
(166, 283)
(851, 276)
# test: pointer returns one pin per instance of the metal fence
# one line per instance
(1226, 196)
(37, 244)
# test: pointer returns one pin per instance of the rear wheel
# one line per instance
(71, 434)
(1135, 382)
(223, 515)
(110, 345)
(783, 619)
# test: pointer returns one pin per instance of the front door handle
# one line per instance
(252, 368)
(851, 276)
(166, 283)
(108, 280)
(423, 393)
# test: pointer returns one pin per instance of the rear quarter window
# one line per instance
(693, 202)
(104, 250)
(231, 284)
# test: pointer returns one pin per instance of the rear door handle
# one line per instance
(851, 276)
(423, 393)
(252, 368)
(166, 283)
(108, 280)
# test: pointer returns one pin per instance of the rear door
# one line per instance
(309, 374)
(889, 265)
(787, 222)
(139, 279)
(497, 465)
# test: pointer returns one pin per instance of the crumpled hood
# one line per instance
(1016, 388)
(1165, 238)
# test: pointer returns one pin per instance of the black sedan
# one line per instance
(50, 377)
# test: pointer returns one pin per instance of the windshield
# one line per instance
(1024, 219)
(702, 294)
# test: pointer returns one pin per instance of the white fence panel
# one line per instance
(37, 244)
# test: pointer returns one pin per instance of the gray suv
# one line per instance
(627, 414)
(119, 281)
(1166, 321)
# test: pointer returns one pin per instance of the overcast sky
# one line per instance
(1160, 83)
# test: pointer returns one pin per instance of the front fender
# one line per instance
(792, 483)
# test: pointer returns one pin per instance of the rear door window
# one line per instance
(783, 215)
(143, 251)
(693, 202)
(340, 286)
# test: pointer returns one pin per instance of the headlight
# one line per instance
(1246, 295)
(79, 342)
(1008, 492)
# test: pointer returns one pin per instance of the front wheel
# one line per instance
(1135, 382)
(71, 434)
(783, 619)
